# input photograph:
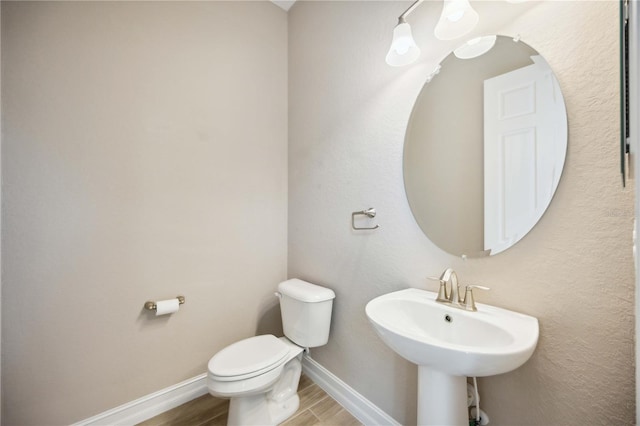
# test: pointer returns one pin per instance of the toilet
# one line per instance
(260, 374)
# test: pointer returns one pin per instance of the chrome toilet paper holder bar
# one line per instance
(151, 306)
(370, 212)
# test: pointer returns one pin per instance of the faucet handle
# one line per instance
(469, 302)
(481, 287)
(442, 291)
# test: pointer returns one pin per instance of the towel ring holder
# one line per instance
(370, 212)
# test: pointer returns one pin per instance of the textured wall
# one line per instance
(574, 270)
(144, 156)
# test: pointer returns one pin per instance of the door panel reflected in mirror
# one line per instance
(485, 148)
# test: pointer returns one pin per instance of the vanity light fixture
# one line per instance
(457, 19)
(403, 50)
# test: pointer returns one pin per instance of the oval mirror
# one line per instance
(485, 147)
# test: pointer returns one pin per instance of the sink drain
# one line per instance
(448, 318)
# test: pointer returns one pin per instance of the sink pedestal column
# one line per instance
(442, 398)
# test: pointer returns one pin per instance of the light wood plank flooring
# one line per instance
(316, 409)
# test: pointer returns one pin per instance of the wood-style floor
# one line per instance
(316, 409)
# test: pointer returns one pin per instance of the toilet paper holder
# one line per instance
(151, 306)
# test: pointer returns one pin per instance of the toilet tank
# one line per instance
(306, 312)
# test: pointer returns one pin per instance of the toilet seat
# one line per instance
(248, 358)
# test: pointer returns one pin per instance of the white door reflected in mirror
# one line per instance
(522, 163)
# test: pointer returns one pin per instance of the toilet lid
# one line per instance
(249, 357)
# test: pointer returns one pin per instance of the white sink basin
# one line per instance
(448, 344)
(483, 343)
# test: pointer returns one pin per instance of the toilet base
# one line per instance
(269, 408)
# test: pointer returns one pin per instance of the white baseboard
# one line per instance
(360, 407)
(150, 405)
(156, 403)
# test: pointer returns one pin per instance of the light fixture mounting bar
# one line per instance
(409, 10)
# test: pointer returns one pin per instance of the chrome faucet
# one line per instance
(450, 295)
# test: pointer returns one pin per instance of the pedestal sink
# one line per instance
(449, 344)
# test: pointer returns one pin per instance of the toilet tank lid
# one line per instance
(304, 291)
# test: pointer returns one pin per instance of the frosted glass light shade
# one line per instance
(475, 47)
(404, 49)
(457, 19)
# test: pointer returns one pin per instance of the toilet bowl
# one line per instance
(260, 374)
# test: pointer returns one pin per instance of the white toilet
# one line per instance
(260, 374)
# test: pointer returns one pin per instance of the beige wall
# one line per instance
(574, 270)
(144, 156)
